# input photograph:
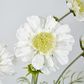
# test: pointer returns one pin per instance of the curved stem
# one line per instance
(69, 67)
(62, 16)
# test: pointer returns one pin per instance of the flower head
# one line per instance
(77, 6)
(5, 61)
(41, 40)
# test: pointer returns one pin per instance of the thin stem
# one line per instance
(34, 78)
(62, 16)
(69, 67)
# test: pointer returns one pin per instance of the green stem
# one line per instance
(69, 66)
(34, 78)
(63, 16)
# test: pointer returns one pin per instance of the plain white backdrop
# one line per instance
(13, 13)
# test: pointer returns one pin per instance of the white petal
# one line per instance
(22, 51)
(65, 40)
(38, 61)
(50, 23)
(34, 22)
(6, 61)
(6, 69)
(28, 30)
(45, 70)
(49, 61)
(62, 52)
(52, 68)
(21, 34)
(6, 55)
(27, 58)
(62, 37)
(2, 51)
(62, 56)
(63, 29)
(27, 27)
(63, 46)
(2, 46)
(22, 43)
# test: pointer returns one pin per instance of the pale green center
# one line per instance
(81, 5)
(43, 42)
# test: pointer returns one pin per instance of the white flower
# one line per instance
(78, 7)
(5, 61)
(41, 40)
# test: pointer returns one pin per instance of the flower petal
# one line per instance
(28, 29)
(50, 23)
(62, 37)
(7, 69)
(49, 61)
(38, 61)
(63, 29)
(62, 56)
(22, 51)
(22, 43)
(45, 70)
(21, 35)
(65, 42)
(35, 22)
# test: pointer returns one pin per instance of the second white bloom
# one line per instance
(78, 7)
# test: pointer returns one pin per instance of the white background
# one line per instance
(13, 13)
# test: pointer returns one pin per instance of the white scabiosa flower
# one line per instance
(5, 61)
(77, 6)
(41, 40)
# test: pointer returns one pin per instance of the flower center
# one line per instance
(43, 42)
(81, 5)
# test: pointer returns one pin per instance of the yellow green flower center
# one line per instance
(81, 5)
(43, 42)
